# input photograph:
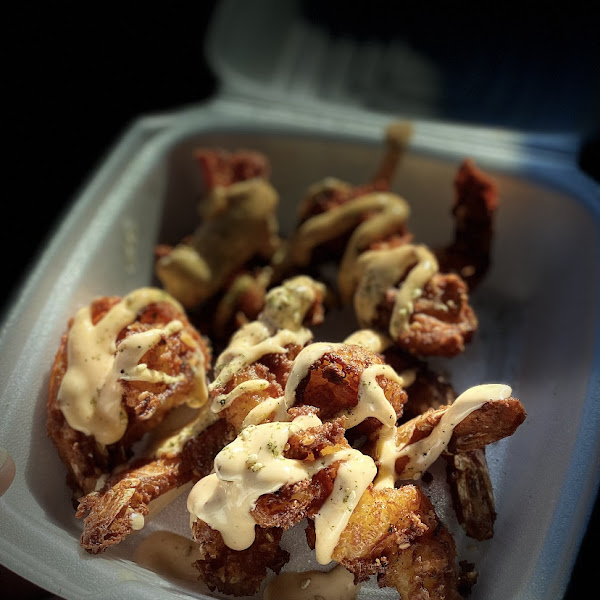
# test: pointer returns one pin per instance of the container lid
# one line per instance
(531, 74)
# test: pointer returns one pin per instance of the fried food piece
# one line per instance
(426, 569)
(122, 365)
(443, 320)
(242, 301)
(255, 366)
(474, 208)
(119, 508)
(466, 471)
(221, 168)
(383, 523)
(249, 397)
(261, 460)
(333, 384)
(294, 502)
(493, 421)
(401, 292)
(237, 572)
(471, 492)
(239, 225)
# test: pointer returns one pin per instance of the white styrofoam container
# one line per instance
(540, 324)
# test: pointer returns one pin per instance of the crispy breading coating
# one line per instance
(125, 497)
(128, 492)
(333, 381)
(237, 572)
(383, 523)
(293, 503)
(426, 570)
(490, 423)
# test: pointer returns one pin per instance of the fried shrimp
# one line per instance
(238, 225)
(426, 568)
(303, 460)
(474, 208)
(252, 371)
(343, 380)
(144, 486)
(237, 572)
(384, 522)
(481, 415)
(122, 366)
(401, 292)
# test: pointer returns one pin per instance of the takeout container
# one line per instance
(538, 310)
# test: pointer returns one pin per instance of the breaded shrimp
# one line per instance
(127, 496)
(122, 365)
(474, 208)
(273, 476)
(255, 366)
(238, 225)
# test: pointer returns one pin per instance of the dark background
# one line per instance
(75, 82)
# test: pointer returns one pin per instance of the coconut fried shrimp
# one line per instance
(474, 208)
(122, 365)
(238, 225)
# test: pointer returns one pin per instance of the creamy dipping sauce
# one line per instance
(90, 394)
(336, 584)
(254, 465)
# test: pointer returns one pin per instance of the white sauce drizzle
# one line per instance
(302, 363)
(423, 453)
(278, 325)
(380, 270)
(391, 212)
(90, 394)
(248, 345)
(254, 465)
